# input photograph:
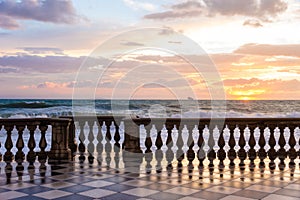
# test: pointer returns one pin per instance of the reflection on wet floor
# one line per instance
(124, 175)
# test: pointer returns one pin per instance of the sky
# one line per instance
(158, 49)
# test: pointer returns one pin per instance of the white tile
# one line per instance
(17, 186)
(174, 182)
(98, 184)
(293, 187)
(276, 196)
(222, 189)
(58, 185)
(263, 188)
(63, 177)
(182, 191)
(233, 197)
(11, 195)
(140, 192)
(97, 193)
(137, 183)
(190, 198)
(52, 194)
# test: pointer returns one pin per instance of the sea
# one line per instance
(24, 108)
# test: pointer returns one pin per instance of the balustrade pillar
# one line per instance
(132, 139)
(60, 142)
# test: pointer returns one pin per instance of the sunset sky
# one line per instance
(254, 45)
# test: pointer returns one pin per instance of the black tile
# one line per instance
(74, 197)
(274, 183)
(236, 184)
(117, 179)
(251, 194)
(288, 192)
(29, 198)
(208, 195)
(80, 179)
(197, 185)
(77, 188)
(159, 186)
(3, 190)
(118, 187)
(34, 190)
(164, 195)
(119, 196)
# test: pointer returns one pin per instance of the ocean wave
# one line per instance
(26, 105)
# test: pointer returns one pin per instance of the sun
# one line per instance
(245, 98)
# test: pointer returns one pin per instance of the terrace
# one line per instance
(119, 158)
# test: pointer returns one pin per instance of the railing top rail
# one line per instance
(33, 121)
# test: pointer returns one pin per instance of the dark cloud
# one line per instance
(264, 9)
(187, 5)
(270, 50)
(128, 43)
(46, 64)
(42, 50)
(260, 9)
(253, 22)
(55, 11)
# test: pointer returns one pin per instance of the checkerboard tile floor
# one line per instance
(84, 181)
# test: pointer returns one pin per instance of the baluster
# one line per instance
(281, 152)
(90, 146)
(221, 152)
(117, 148)
(242, 143)
(117, 136)
(169, 152)
(122, 134)
(185, 137)
(72, 141)
(211, 154)
(179, 153)
(143, 137)
(108, 147)
(158, 152)
(252, 153)
(201, 152)
(148, 152)
(262, 154)
(112, 131)
(99, 146)
(195, 135)
(8, 156)
(292, 142)
(191, 152)
(42, 155)
(164, 137)
(20, 156)
(272, 152)
(153, 137)
(81, 146)
(231, 153)
(31, 145)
